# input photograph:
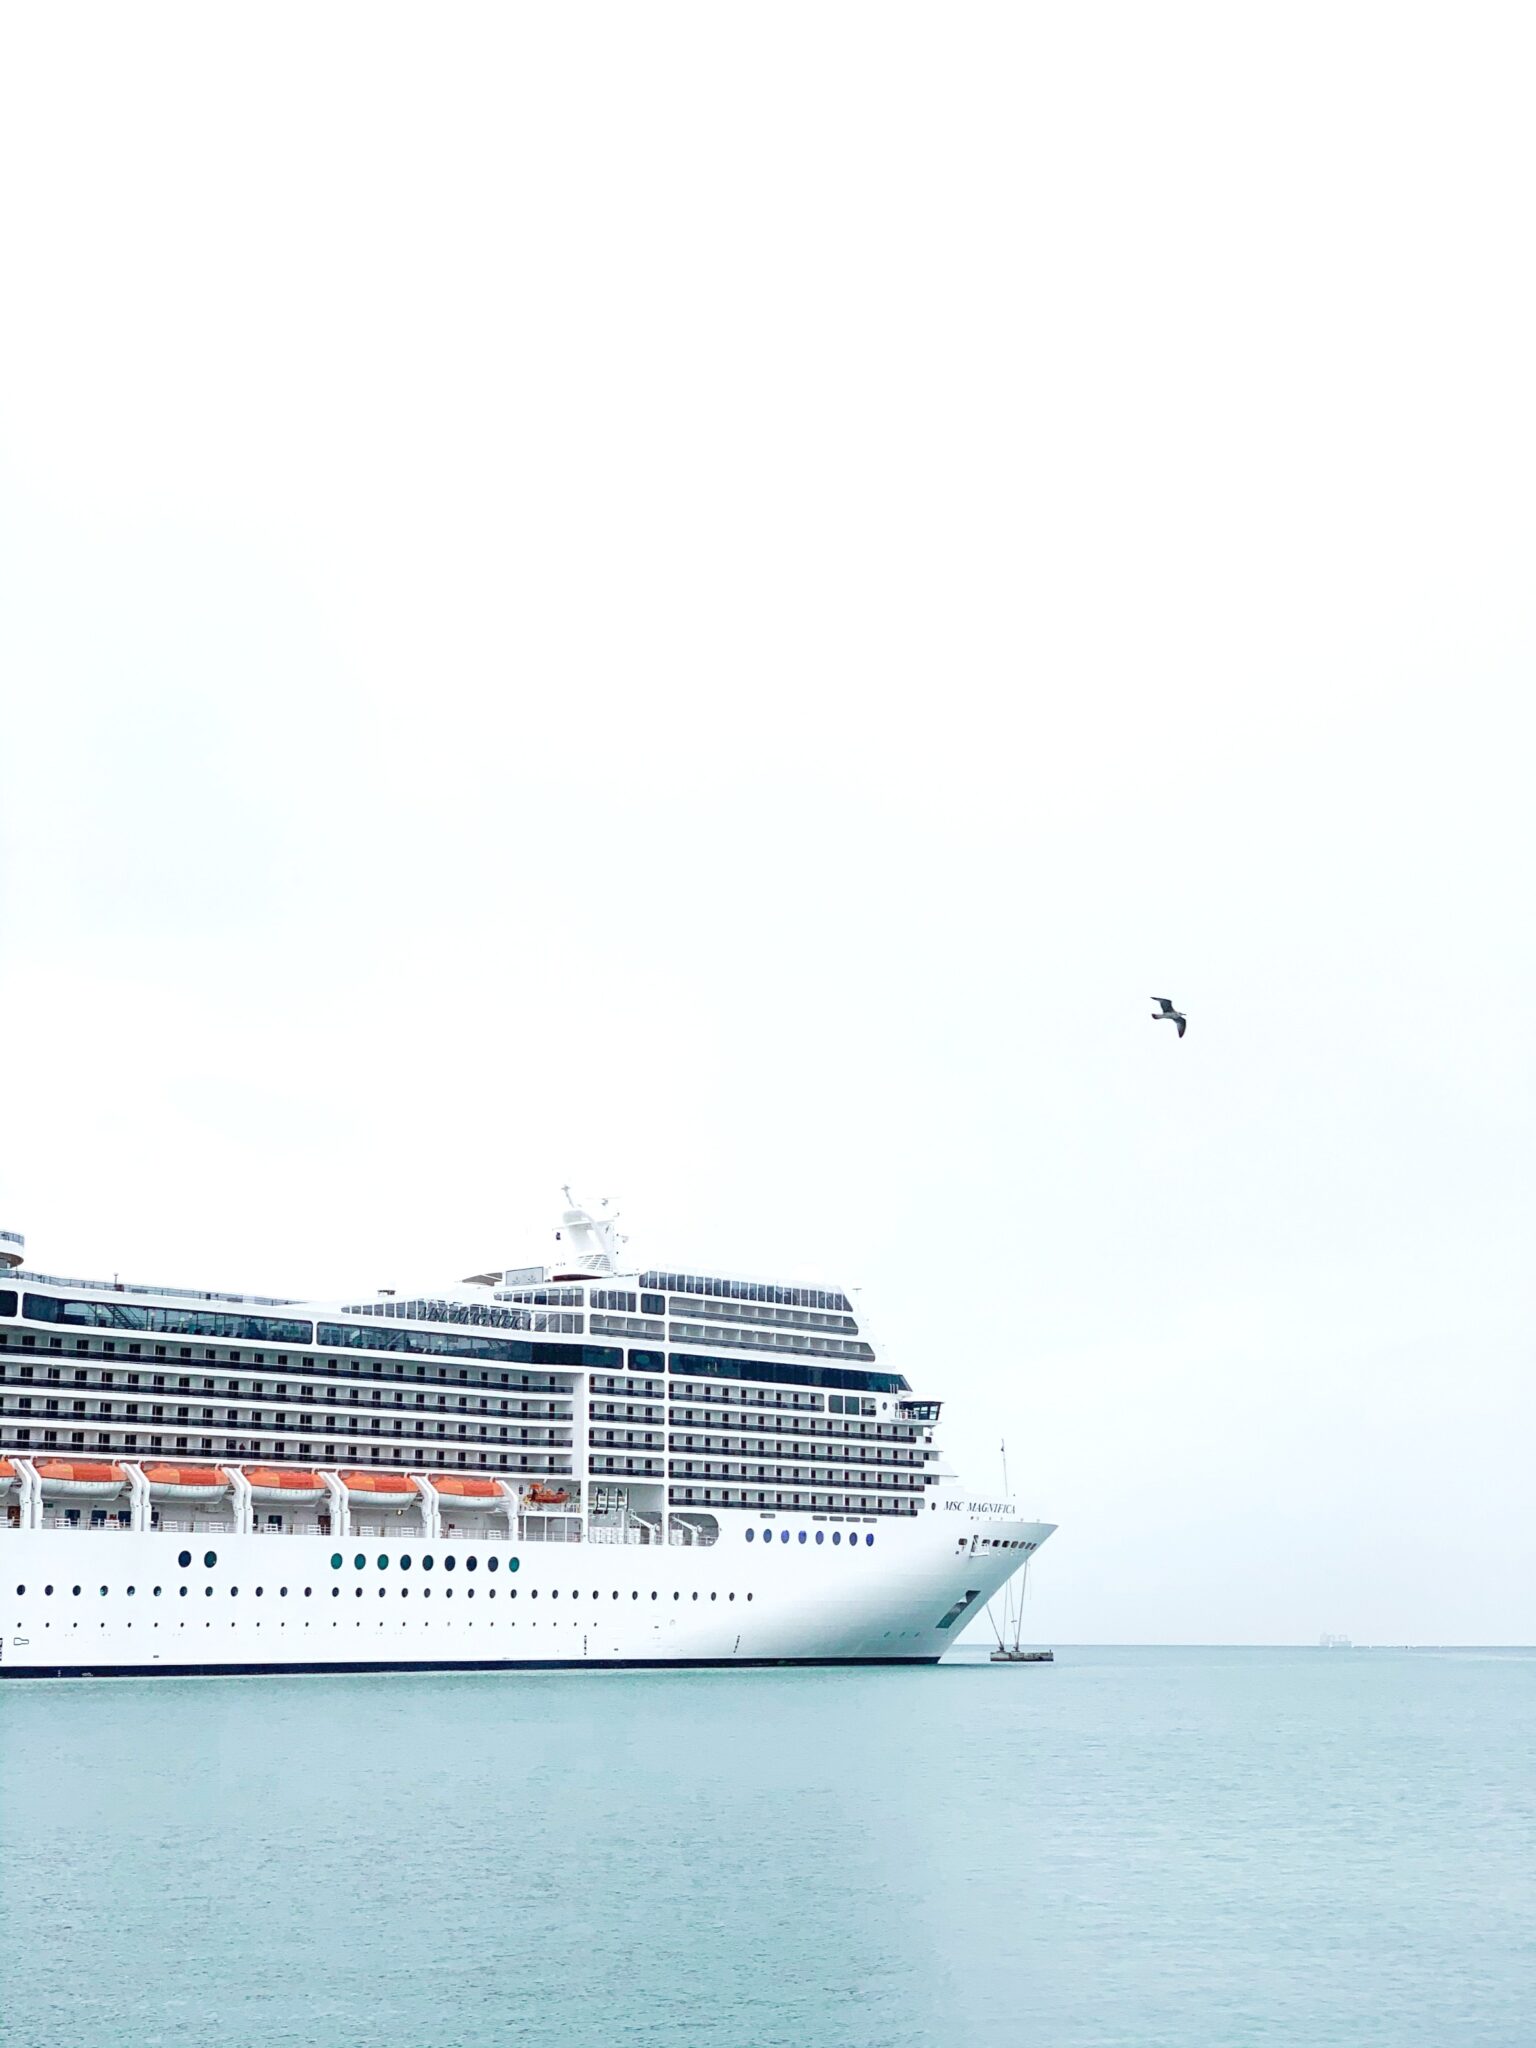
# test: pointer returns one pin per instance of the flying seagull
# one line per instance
(1166, 1009)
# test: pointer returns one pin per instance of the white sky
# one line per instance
(705, 601)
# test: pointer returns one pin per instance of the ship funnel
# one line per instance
(588, 1243)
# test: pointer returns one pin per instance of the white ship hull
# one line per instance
(118, 1603)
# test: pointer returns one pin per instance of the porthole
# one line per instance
(730, 1596)
(783, 1535)
(802, 1535)
(677, 1596)
(359, 1561)
(695, 1596)
(749, 1596)
(450, 1562)
(751, 1535)
(427, 1562)
(511, 1564)
(383, 1562)
(75, 1590)
(157, 1592)
(635, 1595)
(405, 1561)
(184, 1559)
(259, 1591)
(103, 1592)
(335, 1592)
(183, 1592)
(869, 1537)
(653, 1596)
(554, 1593)
(49, 1589)
(493, 1564)
(471, 1562)
(837, 1535)
(821, 1535)
(207, 1592)
(307, 1591)
(358, 1592)
(714, 1596)
(282, 1592)
(336, 1562)
(19, 1591)
(210, 1558)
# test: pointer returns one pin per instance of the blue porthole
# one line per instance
(426, 1562)
(493, 1564)
(184, 1559)
(802, 1535)
(751, 1535)
(869, 1538)
(405, 1561)
(821, 1535)
(210, 1558)
(837, 1535)
(783, 1535)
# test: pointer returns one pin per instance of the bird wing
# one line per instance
(1183, 1021)
(1163, 1004)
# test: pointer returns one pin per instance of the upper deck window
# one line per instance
(784, 1374)
(180, 1322)
(747, 1290)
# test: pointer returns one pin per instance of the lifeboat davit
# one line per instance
(274, 1486)
(78, 1479)
(7, 1476)
(465, 1492)
(547, 1496)
(186, 1482)
(390, 1489)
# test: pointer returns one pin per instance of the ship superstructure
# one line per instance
(583, 1464)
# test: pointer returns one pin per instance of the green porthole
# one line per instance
(359, 1560)
(210, 1558)
(383, 1562)
(336, 1562)
(511, 1564)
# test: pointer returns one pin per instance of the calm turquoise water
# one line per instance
(1182, 1847)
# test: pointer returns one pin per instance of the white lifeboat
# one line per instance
(281, 1486)
(460, 1490)
(381, 1489)
(79, 1479)
(186, 1482)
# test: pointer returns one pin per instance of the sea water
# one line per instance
(1140, 1847)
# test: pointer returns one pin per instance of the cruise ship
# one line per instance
(555, 1466)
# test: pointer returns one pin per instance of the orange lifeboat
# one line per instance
(465, 1492)
(276, 1486)
(547, 1496)
(186, 1482)
(79, 1479)
(7, 1476)
(393, 1489)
